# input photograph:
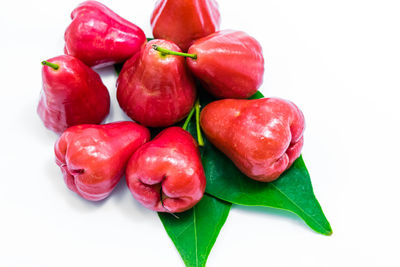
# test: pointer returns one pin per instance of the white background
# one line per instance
(338, 60)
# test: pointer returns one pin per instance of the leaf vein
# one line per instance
(184, 230)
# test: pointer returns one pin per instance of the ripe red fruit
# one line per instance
(72, 94)
(99, 37)
(229, 64)
(92, 158)
(182, 22)
(262, 137)
(166, 174)
(156, 89)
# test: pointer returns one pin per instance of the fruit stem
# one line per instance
(199, 136)
(189, 117)
(52, 65)
(165, 52)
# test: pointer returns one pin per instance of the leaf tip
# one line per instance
(328, 231)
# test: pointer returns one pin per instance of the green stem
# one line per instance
(52, 65)
(189, 117)
(199, 136)
(164, 51)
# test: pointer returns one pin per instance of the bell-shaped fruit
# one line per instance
(72, 94)
(182, 22)
(99, 37)
(156, 89)
(166, 174)
(229, 64)
(262, 137)
(92, 158)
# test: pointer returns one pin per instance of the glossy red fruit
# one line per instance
(156, 89)
(99, 37)
(72, 94)
(92, 158)
(262, 137)
(230, 64)
(166, 174)
(182, 22)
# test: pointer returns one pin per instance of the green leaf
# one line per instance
(292, 191)
(196, 230)
(257, 95)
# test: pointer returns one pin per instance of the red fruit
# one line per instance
(230, 64)
(262, 137)
(166, 174)
(99, 37)
(182, 22)
(92, 158)
(156, 89)
(72, 94)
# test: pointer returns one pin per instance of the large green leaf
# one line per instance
(292, 191)
(195, 231)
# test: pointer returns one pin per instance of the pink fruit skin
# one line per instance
(99, 37)
(262, 137)
(156, 90)
(229, 64)
(92, 158)
(182, 22)
(170, 167)
(71, 95)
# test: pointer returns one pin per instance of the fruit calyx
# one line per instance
(162, 197)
